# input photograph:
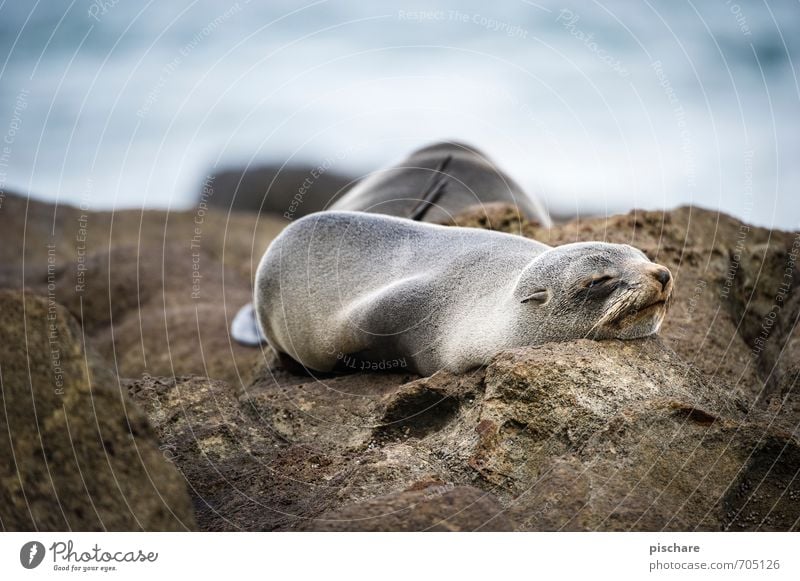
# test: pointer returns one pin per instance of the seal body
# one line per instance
(432, 184)
(365, 291)
(469, 178)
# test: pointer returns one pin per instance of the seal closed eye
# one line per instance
(385, 292)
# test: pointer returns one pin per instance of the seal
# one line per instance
(436, 182)
(432, 184)
(353, 290)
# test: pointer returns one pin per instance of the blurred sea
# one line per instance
(596, 106)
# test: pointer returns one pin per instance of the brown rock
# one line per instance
(498, 216)
(624, 436)
(571, 436)
(77, 454)
(130, 279)
(440, 507)
(695, 430)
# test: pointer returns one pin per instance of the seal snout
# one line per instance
(663, 276)
(638, 307)
(657, 293)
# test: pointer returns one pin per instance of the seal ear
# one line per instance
(540, 296)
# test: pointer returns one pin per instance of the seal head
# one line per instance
(593, 290)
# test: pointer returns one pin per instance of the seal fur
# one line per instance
(471, 178)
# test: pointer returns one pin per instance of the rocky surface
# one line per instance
(574, 436)
(154, 291)
(75, 452)
(697, 429)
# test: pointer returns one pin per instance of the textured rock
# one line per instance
(154, 292)
(697, 429)
(494, 216)
(576, 436)
(628, 437)
(76, 453)
(670, 433)
(434, 507)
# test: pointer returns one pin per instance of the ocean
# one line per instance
(596, 107)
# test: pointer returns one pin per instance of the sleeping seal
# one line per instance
(436, 182)
(339, 290)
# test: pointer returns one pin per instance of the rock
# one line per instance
(584, 435)
(551, 400)
(243, 474)
(567, 436)
(275, 455)
(697, 429)
(337, 412)
(77, 454)
(628, 438)
(145, 312)
(572, 436)
(150, 289)
(275, 189)
(436, 507)
(498, 216)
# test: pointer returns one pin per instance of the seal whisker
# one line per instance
(620, 304)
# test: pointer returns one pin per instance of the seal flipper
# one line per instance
(245, 328)
(432, 192)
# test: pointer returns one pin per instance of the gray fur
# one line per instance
(471, 178)
(365, 291)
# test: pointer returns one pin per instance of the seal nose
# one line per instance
(663, 276)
